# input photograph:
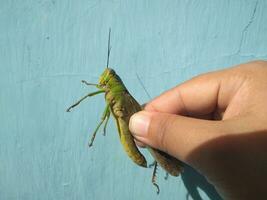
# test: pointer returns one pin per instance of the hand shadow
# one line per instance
(230, 156)
(193, 180)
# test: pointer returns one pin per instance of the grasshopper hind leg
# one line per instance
(152, 164)
(154, 176)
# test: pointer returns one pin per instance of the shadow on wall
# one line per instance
(230, 156)
(193, 180)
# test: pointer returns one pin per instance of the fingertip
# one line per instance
(139, 123)
(139, 144)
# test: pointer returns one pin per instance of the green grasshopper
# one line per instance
(121, 104)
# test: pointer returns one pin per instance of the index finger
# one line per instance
(198, 96)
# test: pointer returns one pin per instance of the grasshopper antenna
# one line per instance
(109, 47)
(143, 86)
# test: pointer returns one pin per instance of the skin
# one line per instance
(217, 123)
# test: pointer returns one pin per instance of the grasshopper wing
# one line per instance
(122, 110)
(170, 164)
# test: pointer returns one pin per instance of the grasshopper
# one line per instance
(122, 105)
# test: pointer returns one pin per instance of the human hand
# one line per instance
(217, 123)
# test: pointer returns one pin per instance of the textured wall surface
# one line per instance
(48, 46)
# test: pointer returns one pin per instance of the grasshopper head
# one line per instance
(106, 76)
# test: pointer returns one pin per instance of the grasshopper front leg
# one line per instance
(105, 116)
(88, 95)
(92, 84)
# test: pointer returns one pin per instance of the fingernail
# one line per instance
(139, 124)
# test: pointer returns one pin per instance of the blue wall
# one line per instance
(48, 46)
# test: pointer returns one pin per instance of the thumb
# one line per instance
(174, 134)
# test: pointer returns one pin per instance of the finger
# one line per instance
(140, 144)
(197, 96)
(174, 134)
